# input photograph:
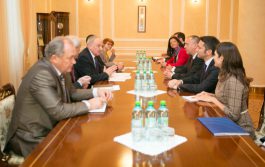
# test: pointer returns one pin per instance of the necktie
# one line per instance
(73, 75)
(205, 68)
(65, 92)
(96, 65)
(203, 72)
(190, 63)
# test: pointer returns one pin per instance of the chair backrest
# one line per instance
(249, 80)
(7, 101)
(261, 125)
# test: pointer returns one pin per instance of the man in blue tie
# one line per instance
(89, 62)
(206, 78)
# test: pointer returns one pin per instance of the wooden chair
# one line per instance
(249, 80)
(7, 101)
(261, 125)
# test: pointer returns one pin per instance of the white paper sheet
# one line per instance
(150, 148)
(129, 68)
(147, 94)
(120, 77)
(142, 71)
(120, 74)
(157, 57)
(190, 98)
(100, 110)
(111, 88)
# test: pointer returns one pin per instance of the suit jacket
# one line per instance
(234, 95)
(202, 80)
(182, 58)
(189, 69)
(85, 66)
(107, 60)
(39, 106)
(77, 93)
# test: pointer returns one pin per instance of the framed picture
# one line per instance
(141, 19)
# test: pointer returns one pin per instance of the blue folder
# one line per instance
(222, 126)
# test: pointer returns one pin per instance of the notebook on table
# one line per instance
(222, 126)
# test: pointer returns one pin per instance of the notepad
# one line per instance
(129, 68)
(120, 77)
(157, 57)
(147, 94)
(100, 110)
(222, 126)
(190, 98)
(108, 87)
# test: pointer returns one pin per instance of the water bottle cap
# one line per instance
(150, 103)
(137, 103)
(162, 102)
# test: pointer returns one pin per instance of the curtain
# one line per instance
(15, 41)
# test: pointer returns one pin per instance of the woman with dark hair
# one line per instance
(231, 92)
(180, 36)
(177, 54)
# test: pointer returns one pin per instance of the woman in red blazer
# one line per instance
(178, 54)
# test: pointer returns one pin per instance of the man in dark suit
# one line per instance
(193, 65)
(83, 82)
(43, 98)
(206, 78)
(89, 62)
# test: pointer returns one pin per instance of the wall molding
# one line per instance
(231, 20)
(182, 16)
(112, 18)
(101, 22)
(207, 17)
(141, 47)
(77, 18)
(137, 39)
(170, 18)
(140, 39)
(129, 54)
(218, 18)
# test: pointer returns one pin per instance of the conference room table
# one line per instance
(87, 140)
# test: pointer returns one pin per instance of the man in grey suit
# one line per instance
(43, 98)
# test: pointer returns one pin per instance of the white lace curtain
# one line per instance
(14, 41)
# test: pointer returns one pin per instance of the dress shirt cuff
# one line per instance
(87, 104)
(181, 83)
(80, 83)
(172, 74)
(95, 92)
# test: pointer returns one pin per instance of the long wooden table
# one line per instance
(88, 140)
